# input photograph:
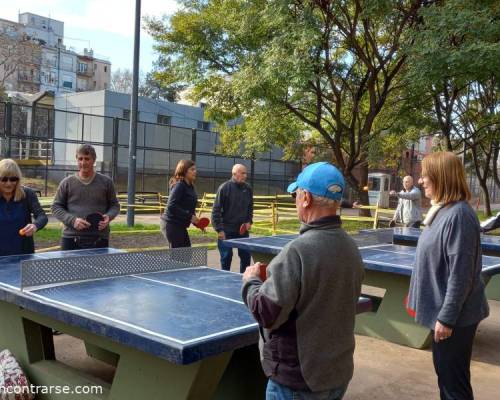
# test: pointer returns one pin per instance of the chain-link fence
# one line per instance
(44, 141)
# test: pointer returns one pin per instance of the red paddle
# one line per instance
(202, 223)
(262, 272)
(410, 311)
(243, 229)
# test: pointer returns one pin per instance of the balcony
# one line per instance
(25, 77)
(87, 73)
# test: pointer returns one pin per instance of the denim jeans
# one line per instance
(226, 253)
(277, 391)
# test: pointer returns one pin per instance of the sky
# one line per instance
(106, 26)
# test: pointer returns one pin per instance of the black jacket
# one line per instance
(33, 207)
(233, 206)
(181, 204)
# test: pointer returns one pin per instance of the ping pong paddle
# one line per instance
(22, 232)
(262, 272)
(202, 223)
(93, 219)
(410, 311)
(243, 229)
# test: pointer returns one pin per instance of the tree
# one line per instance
(455, 61)
(121, 81)
(291, 66)
(16, 51)
(149, 85)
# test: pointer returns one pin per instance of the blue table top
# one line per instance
(381, 257)
(181, 315)
(488, 242)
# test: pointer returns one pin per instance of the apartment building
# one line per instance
(41, 61)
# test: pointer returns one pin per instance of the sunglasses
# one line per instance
(9, 179)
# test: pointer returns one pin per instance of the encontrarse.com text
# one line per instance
(56, 389)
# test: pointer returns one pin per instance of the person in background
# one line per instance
(181, 207)
(307, 305)
(83, 194)
(446, 288)
(232, 216)
(409, 210)
(17, 206)
(308, 154)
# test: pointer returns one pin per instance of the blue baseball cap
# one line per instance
(321, 179)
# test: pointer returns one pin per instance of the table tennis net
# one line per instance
(35, 273)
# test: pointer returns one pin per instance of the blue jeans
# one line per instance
(226, 253)
(277, 391)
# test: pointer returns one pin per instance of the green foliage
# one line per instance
(286, 67)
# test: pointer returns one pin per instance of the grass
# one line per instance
(52, 232)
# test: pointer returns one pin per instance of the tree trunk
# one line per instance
(486, 193)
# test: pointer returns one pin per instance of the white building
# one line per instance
(45, 29)
(49, 65)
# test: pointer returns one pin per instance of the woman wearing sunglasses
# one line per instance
(17, 205)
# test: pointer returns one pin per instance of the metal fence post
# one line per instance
(193, 145)
(8, 127)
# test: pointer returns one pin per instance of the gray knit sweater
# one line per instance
(446, 283)
(75, 199)
(307, 306)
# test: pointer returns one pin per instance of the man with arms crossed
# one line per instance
(307, 305)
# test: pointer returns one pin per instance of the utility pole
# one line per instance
(132, 149)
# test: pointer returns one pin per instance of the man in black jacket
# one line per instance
(232, 215)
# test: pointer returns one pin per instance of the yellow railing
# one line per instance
(268, 210)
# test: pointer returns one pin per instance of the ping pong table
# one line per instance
(387, 266)
(490, 245)
(179, 329)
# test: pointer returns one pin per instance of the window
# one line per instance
(82, 67)
(374, 184)
(68, 85)
(203, 125)
(126, 114)
(105, 68)
(163, 119)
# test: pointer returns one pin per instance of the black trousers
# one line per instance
(83, 242)
(177, 235)
(452, 363)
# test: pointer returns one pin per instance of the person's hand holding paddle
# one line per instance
(258, 270)
(245, 227)
(80, 224)
(104, 222)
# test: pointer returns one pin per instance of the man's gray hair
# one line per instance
(87, 150)
(325, 202)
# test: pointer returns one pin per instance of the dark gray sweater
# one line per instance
(75, 199)
(307, 306)
(446, 282)
(233, 206)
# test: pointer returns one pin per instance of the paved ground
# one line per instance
(383, 371)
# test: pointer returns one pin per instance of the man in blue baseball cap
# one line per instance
(307, 304)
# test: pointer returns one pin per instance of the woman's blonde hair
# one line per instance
(9, 167)
(447, 174)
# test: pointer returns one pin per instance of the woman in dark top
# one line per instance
(446, 288)
(17, 204)
(181, 206)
